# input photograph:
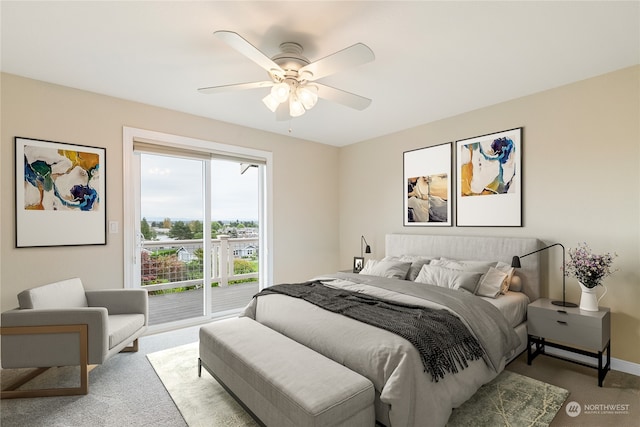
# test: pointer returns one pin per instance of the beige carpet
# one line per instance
(510, 400)
(615, 404)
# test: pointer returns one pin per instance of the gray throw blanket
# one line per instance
(443, 341)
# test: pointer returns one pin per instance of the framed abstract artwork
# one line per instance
(60, 194)
(489, 177)
(427, 186)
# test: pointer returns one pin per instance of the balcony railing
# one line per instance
(171, 264)
(172, 270)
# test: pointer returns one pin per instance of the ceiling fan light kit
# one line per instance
(290, 74)
(301, 98)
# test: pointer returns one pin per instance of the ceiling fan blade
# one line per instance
(237, 42)
(349, 57)
(239, 86)
(342, 97)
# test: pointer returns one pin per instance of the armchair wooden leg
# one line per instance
(132, 348)
(82, 330)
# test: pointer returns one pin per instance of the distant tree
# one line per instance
(180, 231)
(197, 229)
(148, 232)
(215, 229)
(166, 223)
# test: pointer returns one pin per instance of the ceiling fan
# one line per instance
(293, 78)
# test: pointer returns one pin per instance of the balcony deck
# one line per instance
(184, 305)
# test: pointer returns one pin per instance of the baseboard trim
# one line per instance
(616, 364)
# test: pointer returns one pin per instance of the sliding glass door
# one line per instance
(235, 232)
(172, 249)
(198, 235)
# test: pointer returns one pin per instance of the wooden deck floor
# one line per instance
(184, 305)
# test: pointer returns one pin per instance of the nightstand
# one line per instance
(568, 328)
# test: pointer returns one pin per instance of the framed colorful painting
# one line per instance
(427, 186)
(60, 194)
(489, 171)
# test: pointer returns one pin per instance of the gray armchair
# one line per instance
(61, 324)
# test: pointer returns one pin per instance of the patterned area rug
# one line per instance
(509, 400)
(201, 400)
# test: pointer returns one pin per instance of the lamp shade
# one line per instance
(308, 95)
(280, 92)
(364, 246)
(271, 103)
(295, 106)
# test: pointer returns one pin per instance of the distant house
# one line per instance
(245, 252)
(185, 255)
(247, 232)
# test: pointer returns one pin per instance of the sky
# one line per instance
(172, 187)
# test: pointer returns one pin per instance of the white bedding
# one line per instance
(512, 305)
(405, 394)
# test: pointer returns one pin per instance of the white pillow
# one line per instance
(463, 265)
(491, 283)
(417, 261)
(448, 278)
(508, 270)
(392, 269)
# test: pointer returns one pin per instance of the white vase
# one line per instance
(589, 299)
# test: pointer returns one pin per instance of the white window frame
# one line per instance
(131, 192)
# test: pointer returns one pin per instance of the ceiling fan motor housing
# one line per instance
(290, 60)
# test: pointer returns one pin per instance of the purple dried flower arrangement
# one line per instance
(587, 267)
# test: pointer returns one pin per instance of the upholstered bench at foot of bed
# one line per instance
(282, 382)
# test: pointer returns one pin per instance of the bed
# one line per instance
(406, 394)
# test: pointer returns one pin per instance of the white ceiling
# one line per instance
(434, 59)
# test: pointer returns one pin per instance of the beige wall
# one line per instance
(581, 182)
(305, 207)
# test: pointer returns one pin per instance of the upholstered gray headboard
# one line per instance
(474, 248)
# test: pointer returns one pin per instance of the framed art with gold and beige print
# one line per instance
(427, 183)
